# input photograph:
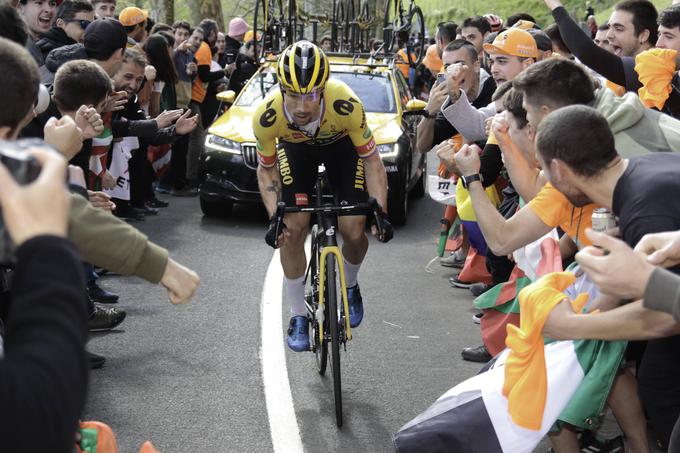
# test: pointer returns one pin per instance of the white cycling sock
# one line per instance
(296, 295)
(351, 272)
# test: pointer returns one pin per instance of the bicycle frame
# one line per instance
(330, 246)
(327, 219)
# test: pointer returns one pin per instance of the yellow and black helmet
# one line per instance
(302, 68)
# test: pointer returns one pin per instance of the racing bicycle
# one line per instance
(325, 279)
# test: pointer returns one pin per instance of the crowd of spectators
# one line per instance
(116, 105)
(539, 126)
(542, 126)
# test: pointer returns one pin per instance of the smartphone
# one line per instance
(441, 78)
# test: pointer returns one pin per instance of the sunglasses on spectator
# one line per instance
(83, 23)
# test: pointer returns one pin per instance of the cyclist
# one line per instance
(316, 120)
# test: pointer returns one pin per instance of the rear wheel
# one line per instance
(267, 23)
(333, 316)
(216, 208)
(390, 22)
(416, 43)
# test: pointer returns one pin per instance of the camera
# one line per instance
(441, 78)
(25, 169)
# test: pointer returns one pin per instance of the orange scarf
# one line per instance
(655, 68)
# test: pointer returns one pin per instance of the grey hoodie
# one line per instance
(637, 130)
(468, 120)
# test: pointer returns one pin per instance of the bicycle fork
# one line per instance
(331, 247)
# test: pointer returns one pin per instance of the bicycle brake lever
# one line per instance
(280, 211)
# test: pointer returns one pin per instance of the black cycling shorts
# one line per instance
(298, 170)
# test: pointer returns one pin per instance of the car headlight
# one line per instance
(388, 150)
(222, 144)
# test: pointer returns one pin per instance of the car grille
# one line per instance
(249, 152)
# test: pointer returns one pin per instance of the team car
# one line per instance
(229, 161)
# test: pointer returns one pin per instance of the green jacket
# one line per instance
(108, 242)
(637, 129)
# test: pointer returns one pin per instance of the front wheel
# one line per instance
(320, 345)
(333, 316)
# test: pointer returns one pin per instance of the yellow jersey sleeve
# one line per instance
(349, 109)
(265, 128)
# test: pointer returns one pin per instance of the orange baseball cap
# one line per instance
(432, 60)
(132, 16)
(514, 41)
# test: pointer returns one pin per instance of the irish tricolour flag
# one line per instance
(512, 405)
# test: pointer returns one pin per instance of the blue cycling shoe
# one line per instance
(298, 334)
(356, 306)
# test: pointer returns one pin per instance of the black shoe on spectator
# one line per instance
(478, 354)
(479, 288)
(156, 203)
(456, 283)
(128, 213)
(99, 294)
(105, 318)
(95, 361)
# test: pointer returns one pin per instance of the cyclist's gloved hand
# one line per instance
(270, 238)
(382, 228)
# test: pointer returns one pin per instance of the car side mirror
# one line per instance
(227, 97)
(415, 105)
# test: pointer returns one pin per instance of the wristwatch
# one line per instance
(467, 180)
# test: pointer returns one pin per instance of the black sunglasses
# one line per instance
(83, 22)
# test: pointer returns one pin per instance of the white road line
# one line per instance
(280, 410)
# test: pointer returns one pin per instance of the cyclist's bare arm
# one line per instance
(269, 182)
(376, 179)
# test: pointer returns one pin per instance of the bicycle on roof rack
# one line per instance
(278, 25)
(410, 23)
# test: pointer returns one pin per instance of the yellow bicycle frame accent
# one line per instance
(322, 285)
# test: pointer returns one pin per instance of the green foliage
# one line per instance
(435, 10)
(458, 10)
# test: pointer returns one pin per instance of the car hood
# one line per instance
(236, 125)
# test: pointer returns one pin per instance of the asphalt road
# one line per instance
(189, 377)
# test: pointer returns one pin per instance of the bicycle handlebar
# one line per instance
(370, 206)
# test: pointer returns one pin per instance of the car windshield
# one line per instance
(257, 89)
(375, 91)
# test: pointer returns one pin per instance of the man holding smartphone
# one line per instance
(460, 70)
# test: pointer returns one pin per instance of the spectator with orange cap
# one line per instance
(511, 52)
(134, 20)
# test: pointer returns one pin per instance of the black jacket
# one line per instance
(132, 122)
(56, 37)
(43, 374)
(245, 68)
(231, 50)
(58, 57)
